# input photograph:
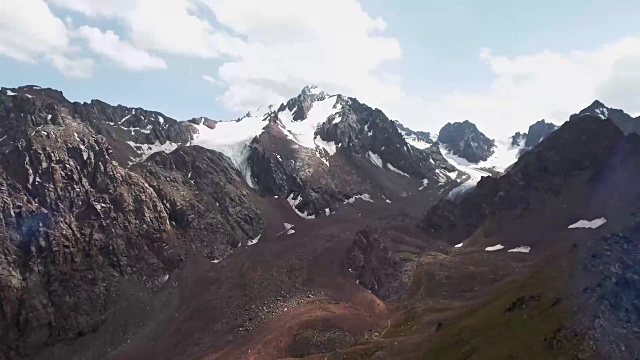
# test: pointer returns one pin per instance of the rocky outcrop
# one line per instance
(373, 264)
(463, 139)
(132, 133)
(75, 223)
(608, 288)
(518, 139)
(205, 197)
(625, 122)
(422, 136)
(538, 132)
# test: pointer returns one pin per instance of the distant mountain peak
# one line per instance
(463, 139)
(626, 122)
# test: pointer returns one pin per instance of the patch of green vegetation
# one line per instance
(405, 255)
(526, 321)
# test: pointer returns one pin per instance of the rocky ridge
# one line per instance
(75, 222)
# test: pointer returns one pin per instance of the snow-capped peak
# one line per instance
(311, 89)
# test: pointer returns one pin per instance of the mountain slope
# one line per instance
(76, 225)
(545, 169)
(319, 150)
(624, 121)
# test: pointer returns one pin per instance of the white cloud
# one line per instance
(171, 26)
(209, 79)
(75, 68)
(109, 45)
(28, 30)
(271, 49)
(547, 84)
(286, 44)
(277, 47)
(95, 8)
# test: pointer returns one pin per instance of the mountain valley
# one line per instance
(318, 228)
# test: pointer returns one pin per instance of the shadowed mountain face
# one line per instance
(464, 140)
(538, 132)
(547, 169)
(626, 122)
(587, 169)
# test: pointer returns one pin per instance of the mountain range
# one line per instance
(315, 226)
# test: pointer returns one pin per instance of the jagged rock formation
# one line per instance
(609, 288)
(419, 139)
(518, 139)
(538, 132)
(75, 222)
(319, 150)
(464, 140)
(546, 169)
(625, 122)
(374, 265)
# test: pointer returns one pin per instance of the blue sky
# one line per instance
(419, 61)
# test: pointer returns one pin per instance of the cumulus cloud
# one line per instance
(109, 45)
(75, 68)
(286, 44)
(550, 85)
(266, 51)
(28, 30)
(270, 50)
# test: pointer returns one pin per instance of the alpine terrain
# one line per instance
(318, 228)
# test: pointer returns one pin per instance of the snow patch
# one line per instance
(233, 139)
(10, 93)
(392, 168)
(494, 248)
(288, 226)
(425, 182)
(254, 241)
(364, 197)
(417, 143)
(467, 168)
(459, 245)
(327, 211)
(330, 147)
(375, 158)
(304, 132)
(603, 112)
(124, 119)
(520, 249)
(147, 149)
(584, 224)
(504, 155)
(291, 232)
(294, 202)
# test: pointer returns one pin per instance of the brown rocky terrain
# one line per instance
(110, 252)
